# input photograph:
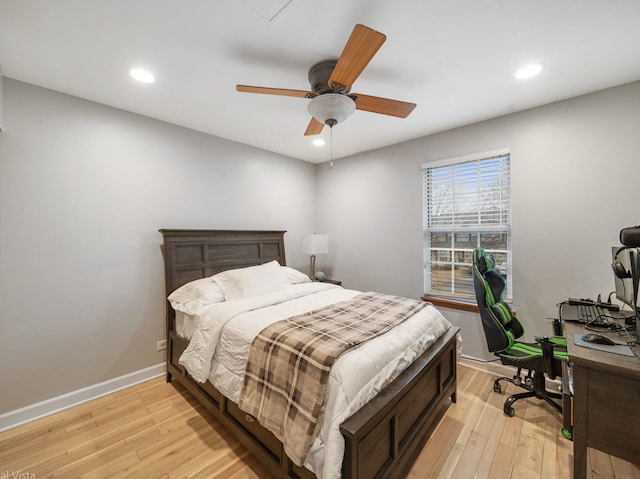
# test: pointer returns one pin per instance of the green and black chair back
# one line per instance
(501, 327)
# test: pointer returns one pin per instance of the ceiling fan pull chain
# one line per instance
(331, 144)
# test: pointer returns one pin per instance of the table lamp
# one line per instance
(314, 244)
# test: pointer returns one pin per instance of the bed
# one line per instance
(381, 439)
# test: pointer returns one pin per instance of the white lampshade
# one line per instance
(312, 243)
(331, 106)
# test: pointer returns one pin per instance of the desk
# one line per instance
(606, 403)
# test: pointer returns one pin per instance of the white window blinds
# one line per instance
(470, 194)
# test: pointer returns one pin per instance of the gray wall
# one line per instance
(575, 177)
(84, 189)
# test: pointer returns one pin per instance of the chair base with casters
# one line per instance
(534, 383)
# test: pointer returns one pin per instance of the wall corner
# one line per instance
(1, 99)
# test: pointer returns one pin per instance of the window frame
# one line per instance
(478, 229)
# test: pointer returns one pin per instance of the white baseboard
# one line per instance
(65, 401)
(496, 368)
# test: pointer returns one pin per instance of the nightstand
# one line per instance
(330, 281)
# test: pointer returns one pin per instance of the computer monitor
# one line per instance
(624, 262)
(626, 268)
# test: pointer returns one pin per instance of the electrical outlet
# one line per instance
(161, 345)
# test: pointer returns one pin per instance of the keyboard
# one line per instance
(590, 313)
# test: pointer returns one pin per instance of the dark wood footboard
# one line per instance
(382, 439)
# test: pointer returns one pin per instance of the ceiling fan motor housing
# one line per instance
(319, 75)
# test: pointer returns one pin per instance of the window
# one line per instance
(467, 204)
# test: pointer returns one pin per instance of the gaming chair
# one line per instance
(502, 329)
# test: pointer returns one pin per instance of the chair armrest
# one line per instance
(547, 355)
(557, 327)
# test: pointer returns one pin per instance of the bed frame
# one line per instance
(382, 439)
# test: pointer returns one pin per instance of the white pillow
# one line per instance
(253, 280)
(294, 276)
(193, 296)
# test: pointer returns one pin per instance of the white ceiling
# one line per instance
(454, 58)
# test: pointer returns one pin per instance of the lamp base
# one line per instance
(312, 266)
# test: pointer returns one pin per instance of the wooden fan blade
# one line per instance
(362, 45)
(384, 106)
(272, 91)
(314, 128)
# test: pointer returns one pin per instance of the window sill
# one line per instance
(451, 303)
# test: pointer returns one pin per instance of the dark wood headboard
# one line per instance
(195, 254)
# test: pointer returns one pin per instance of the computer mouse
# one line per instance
(597, 339)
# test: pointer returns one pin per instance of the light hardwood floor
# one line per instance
(157, 430)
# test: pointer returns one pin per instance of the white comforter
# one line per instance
(219, 347)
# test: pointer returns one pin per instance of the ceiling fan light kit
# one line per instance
(331, 108)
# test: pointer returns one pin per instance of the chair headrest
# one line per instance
(490, 278)
(484, 262)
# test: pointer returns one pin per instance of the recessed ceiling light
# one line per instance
(318, 142)
(529, 71)
(140, 74)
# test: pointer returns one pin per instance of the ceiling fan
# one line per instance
(331, 80)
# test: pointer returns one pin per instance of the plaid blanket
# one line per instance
(290, 360)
